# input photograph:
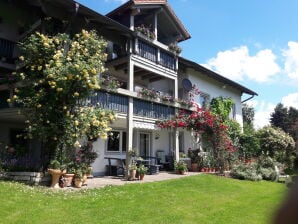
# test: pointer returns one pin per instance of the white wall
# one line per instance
(215, 89)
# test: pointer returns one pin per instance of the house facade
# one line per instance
(143, 56)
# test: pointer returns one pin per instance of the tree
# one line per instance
(59, 73)
(279, 118)
(277, 144)
(248, 113)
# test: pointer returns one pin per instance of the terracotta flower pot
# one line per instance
(68, 178)
(132, 174)
(194, 167)
(78, 182)
(182, 172)
(84, 180)
(142, 176)
(55, 177)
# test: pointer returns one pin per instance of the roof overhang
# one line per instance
(167, 10)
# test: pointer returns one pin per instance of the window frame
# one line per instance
(121, 141)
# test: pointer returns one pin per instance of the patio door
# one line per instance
(144, 144)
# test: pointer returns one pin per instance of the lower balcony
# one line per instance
(142, 108)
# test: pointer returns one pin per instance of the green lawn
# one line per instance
(199, 199)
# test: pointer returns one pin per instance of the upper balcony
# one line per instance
(155, 54)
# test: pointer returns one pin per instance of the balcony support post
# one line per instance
(176, 144)
(155, 26)
(132, 22)
(129, 118)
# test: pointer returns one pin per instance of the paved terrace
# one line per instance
(98, 182)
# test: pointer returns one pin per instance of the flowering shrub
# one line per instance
(203, 121)
(277, 144)
(149, 93)
(61, 71)
(167, 98)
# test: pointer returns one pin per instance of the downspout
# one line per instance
(249, 98)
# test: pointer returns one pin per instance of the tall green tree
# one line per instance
(279, 118)
(248, 114)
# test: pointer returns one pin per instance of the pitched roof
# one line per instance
(216, 76)
(163, 3)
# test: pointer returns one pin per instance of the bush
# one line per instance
(268, 174)
(265, 162)
(245, 172)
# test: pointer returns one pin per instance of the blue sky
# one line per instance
(253, 42)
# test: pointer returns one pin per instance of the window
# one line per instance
(204, 100)
(116, 141)
(233, 112)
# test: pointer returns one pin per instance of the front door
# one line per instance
(144, 144)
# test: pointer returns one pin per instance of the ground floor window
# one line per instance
(116, 141)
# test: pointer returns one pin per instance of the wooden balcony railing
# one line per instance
(152, 110)
(6, 48)
(156, 55)
(142, 108)
(111, 101)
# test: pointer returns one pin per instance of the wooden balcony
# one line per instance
(6, 49)
(156, 55)
(141, 108)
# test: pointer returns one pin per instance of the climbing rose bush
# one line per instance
(59, 72)
(202, 121)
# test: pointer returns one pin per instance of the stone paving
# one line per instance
(98, 182)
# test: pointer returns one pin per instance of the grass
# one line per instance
(199, 199)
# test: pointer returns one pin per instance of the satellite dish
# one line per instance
(186, 84)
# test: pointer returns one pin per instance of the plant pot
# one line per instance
(78, 182)
(68, 179)
(142, 176)
(55, 177)
(181, 172)
(90, 175)
(194, 167)
(84, 180)
(132, 174)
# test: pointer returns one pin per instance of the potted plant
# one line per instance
(180, 167)
(78, 178)
(194, 158)
(142, 170)
(70, 171)
(55, 170)
(132, 171)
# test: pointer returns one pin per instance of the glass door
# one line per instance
(144, 144)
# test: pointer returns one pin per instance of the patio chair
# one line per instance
(152, 164)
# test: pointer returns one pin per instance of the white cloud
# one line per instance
(291, 60)
(290, 100)
(237, 64)
(263, 111)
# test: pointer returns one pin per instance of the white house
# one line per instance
(141, 37)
